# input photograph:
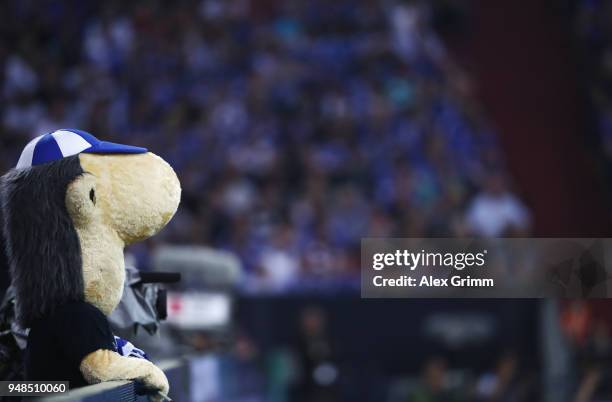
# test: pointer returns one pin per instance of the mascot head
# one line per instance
(70, 207)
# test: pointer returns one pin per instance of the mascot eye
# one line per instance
(92, 196)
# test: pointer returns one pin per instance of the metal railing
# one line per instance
(177, 371)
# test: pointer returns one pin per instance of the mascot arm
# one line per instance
(107, 365)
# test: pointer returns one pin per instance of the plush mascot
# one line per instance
(70, 207)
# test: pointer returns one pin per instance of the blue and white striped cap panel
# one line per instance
(50, 147)
(67, 142)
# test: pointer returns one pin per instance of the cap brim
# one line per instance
(104, 147)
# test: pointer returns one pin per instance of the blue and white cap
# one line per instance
(67, 142)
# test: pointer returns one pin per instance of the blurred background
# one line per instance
(298, 127)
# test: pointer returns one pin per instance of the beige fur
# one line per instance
(135, 197)
(106, 365)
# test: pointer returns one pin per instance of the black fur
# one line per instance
(5, 279)
(41, 242)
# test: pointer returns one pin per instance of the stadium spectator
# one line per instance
(496, 212)
(316, 359)
(434, 385)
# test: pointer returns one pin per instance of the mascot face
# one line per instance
(118, 200)
(69, 208)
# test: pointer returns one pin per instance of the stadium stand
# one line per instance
(296, 127)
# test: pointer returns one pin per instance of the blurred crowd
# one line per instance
(504, 382)
(296, 127)
(586, 329)
(593, 31)
(314, 368)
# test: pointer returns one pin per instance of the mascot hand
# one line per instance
(106, 365)
(156, 379)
